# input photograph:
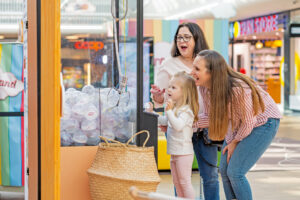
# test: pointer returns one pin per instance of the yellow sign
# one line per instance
(236, 28)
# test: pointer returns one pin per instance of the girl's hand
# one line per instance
(230, 149)
(170, 105)
(158, 94)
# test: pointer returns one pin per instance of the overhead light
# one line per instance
(2, 37)
(259, 45)
(254, 37)
(277, 43)
(9, 28)
(81, 29)
(71, 37)
(104, 59)
(184, 14)
(277, 33)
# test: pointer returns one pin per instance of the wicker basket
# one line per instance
(119, 166)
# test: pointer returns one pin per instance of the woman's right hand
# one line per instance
(149, 107)
(158, 94)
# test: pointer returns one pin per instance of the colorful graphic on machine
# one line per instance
(9, 85)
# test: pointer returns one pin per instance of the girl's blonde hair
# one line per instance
(189, 93)
(224, 100)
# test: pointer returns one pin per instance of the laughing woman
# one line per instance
(237, 109)
(188, 41)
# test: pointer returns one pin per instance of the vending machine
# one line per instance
(106, 76)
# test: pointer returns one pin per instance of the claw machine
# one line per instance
(105, 81)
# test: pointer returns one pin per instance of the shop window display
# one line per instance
(93, 105)
(265, 64)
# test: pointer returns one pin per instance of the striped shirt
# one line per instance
(250, 121)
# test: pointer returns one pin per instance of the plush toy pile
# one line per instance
(96, 111)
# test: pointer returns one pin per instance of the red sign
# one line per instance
(89, 45)
(259, 25)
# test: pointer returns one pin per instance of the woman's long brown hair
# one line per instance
(224, 100)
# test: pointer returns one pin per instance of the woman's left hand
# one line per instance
(230, 149)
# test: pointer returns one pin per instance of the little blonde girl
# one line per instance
(181, 112)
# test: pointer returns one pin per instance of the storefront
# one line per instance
(293, 93)
(63, 65)
(257, 49)
(83, 77)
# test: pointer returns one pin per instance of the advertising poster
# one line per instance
(11, 115)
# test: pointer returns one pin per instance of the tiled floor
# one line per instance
(11, 193)
(266, 185)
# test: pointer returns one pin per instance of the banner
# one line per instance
(11, 115)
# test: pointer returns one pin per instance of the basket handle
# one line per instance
(114, 141)
(143, 131)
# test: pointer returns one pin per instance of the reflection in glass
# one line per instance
(95, 103)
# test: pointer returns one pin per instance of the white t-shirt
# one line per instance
(169, 68)
(180, 131)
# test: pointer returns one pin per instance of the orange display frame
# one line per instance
(50, 98)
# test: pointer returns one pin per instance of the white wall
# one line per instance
(244, 50)
(295, 83)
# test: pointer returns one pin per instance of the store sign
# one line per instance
(92, 45)
(295, 30)
(256, 25)
(9, 85)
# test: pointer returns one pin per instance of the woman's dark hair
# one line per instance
(200, 41)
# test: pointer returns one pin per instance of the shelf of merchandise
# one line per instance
(265, 64)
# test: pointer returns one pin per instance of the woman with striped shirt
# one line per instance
(238, 110)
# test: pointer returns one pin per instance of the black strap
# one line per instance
(11, 114)
(200, 134)
(159, 109)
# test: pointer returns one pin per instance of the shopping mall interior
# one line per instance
(75, 74)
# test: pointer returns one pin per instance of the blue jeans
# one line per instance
(207, 167)
(246, 154)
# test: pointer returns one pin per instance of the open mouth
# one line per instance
(195, 77)
(183, 47)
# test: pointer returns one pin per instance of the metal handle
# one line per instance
(113, 5)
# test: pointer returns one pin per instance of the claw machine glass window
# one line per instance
(99, 70)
